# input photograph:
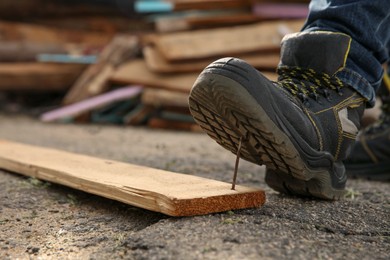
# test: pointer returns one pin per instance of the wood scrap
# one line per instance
(213, 4)
(265, 36)
(168, 24)
(161, 97)
(34, 76)
(170, 193)
(12, 31)
(136, 72)
(96, 23)
(205, 19)
(221, 20)
(157, 63)
(55, 8)
(94, 79)
(21, 51)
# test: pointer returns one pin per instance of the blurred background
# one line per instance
(129, 62)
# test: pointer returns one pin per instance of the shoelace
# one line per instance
(307, 83)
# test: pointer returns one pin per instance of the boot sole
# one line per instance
(226, 112)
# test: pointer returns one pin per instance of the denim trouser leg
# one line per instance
(368, 23)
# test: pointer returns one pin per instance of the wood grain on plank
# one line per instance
(170, 193)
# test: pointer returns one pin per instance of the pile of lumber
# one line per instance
(140, 75)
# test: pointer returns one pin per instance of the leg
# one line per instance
(301, 127)
(370, 157)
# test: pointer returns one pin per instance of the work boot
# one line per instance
(370, 156)
(301, 127)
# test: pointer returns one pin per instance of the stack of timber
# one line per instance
(45, 45)
(135, 71)
(172, 62)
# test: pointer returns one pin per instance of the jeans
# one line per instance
(368, 24)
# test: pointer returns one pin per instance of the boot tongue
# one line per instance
(324, 52)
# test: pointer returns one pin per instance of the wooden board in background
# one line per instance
(170, 193)
(12, 31)
(34, 76)
(201, 20)
(136, 72)
(265, 36)
(213, 4)
(157, 63)
(161, 97)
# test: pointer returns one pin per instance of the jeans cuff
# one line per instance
(360, 84)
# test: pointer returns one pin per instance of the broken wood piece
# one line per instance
(35, 76)
(162, 191)
(157, 63)
(76, 109)
(265, 37)
(94, 80)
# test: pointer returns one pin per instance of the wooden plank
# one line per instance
(157, 63)
(221, 20)
(11, 31)
(265, 36)
(136, 72)
(180, 5)
(213, 4)
(94, 80)
(26, 51)
(170, 193)
(161, 98)
(204, 19)
(22, 9)
(34, 76)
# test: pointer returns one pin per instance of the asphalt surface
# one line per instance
(40, 220)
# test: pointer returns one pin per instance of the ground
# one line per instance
(40, 220)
